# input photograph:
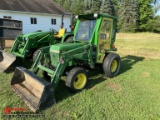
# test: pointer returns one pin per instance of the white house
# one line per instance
(35, 14)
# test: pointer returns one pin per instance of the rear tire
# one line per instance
(76, 79)
(35, 54)
(69, 39)
(111, 65)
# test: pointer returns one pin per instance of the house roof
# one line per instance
(38, 6)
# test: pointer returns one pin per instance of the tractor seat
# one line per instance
(60, 33)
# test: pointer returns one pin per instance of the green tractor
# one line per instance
(93, 43)
(27, 45)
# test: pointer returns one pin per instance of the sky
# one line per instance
(158, 13)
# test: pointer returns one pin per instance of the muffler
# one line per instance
(6, 59)
(33, 90)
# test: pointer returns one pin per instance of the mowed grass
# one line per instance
(133, 94)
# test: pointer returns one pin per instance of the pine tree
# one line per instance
(87, 6)
(67, 5)
(106, 7)
(95, 7)
(156, 24)
(116, 6)
(128, 16)
(145, 14)
(77, 7)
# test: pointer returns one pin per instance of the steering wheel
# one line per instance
(51, 29)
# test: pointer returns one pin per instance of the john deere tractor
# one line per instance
(28, 45)
(93, 43)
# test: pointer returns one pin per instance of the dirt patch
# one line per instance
(145, 74)
(113, 86)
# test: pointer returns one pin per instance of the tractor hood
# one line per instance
(35, 34)
(65, 47)
(57, 49)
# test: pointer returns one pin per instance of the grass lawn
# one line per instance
(133, 94)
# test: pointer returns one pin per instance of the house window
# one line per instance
(33, 20)
(53, 21)
(7, 17)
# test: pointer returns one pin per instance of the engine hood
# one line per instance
(66, 46)
(35, 34)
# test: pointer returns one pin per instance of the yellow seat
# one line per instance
(60, 33)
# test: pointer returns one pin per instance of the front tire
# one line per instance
(76, 79)
(111, 65)
(35, 54)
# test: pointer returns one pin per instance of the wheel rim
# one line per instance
(114, 65)
(79, 81)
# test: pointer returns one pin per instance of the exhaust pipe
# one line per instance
(33, 90)
(6, 59)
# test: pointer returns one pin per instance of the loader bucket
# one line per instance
(33, 90)
(6, 59)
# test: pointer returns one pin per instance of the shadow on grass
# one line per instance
(94, 77)
(62, 92)
(128, 61)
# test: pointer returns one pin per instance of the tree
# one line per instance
(106, 7)
(60, 2)
(77, 7)
(95, 7)
(87, 6)
(67, 5)
(128, 15)
(145, 14)
(115, 4)
(132, 14)
(156, 24)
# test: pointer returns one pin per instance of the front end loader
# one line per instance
(25, 46)
(6, 59)
(93, 43)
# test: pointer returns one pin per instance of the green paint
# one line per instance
(81, 51)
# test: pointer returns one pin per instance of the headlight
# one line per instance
(96, 15)
(76, 16)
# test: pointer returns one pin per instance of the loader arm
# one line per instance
(63, 62)
(15, 45)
